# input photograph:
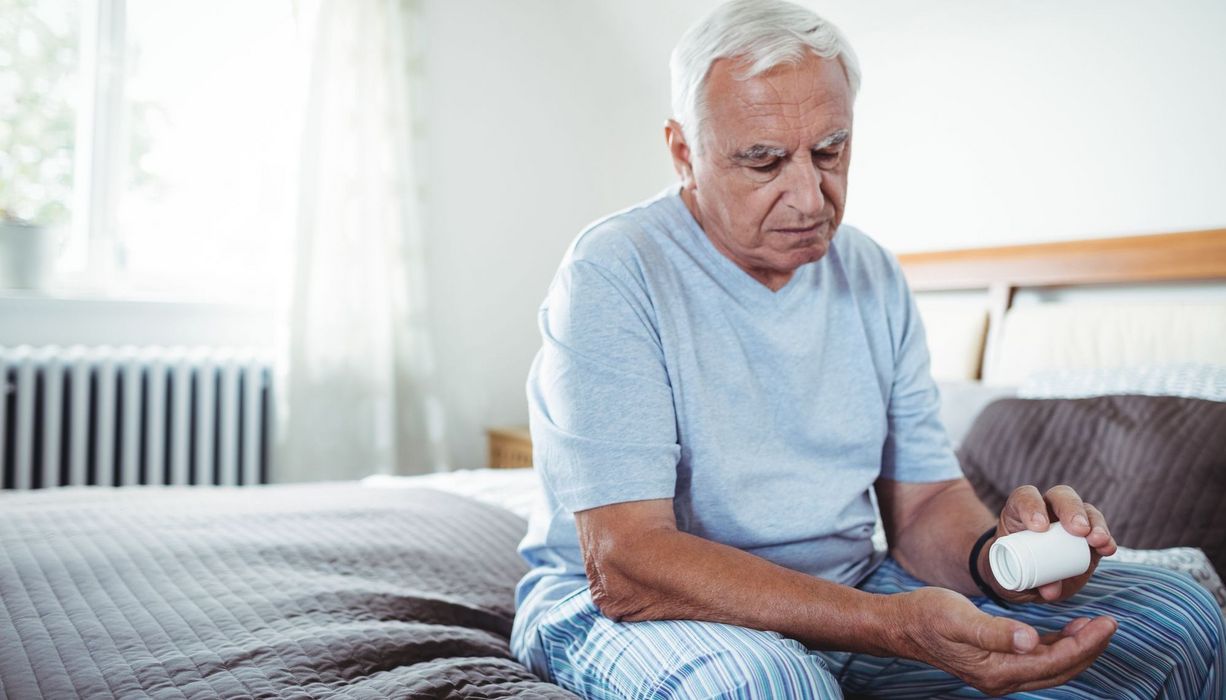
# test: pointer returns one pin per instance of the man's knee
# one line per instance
(1191, 613)
(1176, 622)
(765, 666)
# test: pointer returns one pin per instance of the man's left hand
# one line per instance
(1027, 509)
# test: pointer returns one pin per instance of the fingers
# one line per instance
(1069, 509)
(1068, 630)
(1051, 591)
(1100, 537)
(1002, 634)
(1000, 655)
(1074, 626)
(1060, 660)
(1025, 510)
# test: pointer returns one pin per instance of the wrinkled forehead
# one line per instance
(801, 102)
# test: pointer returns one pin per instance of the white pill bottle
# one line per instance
(1028, 559)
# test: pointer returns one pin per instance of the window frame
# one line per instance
(98, 168)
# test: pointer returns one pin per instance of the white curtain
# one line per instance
(357, 397)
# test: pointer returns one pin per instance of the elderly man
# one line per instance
(728, 375)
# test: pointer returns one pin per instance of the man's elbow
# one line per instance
(622, 546)
(615, 594)
(627, 579)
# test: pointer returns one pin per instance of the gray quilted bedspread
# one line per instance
(306, 591)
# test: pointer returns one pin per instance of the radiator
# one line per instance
(124, 416)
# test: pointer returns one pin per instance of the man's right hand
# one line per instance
(994, 654)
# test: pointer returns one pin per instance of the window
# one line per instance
(183, 161)
(38, 78)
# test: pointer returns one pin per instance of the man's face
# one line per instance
(769, 182)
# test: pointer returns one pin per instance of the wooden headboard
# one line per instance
(1172, 257)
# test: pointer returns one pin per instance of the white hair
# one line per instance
(766, 34)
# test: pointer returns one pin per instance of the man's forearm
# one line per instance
(933, 545)
(669, 574)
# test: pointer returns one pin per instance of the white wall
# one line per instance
(981, 123)
(1037, 120)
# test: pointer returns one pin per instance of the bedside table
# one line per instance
(509, 447)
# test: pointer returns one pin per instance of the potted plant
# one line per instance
(37, 122)
(27, 254)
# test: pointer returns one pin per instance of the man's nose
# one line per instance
(804, 193)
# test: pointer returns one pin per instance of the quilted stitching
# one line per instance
(306, 591)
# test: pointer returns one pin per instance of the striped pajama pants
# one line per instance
(1169, 645)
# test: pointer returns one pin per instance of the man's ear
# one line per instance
(680, 151)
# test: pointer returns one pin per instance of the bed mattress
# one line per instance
(303, 591)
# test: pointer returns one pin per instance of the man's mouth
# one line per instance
(801, 231)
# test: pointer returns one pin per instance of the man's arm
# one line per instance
(931, 528)
(640, 567)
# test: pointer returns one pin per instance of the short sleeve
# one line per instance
(600, 403)
(917, 448)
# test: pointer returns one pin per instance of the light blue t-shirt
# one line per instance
(666, 371)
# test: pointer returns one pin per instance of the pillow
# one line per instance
(961, 401)
(956, 328)
(1197, 381)
(1154, 465)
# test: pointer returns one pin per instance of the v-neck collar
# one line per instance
(746, 287)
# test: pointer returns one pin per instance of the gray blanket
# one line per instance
(306, 591)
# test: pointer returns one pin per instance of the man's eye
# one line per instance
(765, 167)
(826, 157)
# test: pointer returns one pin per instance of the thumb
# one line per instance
(1004, 635)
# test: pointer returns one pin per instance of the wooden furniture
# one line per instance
(509, 447)
(1171, 257)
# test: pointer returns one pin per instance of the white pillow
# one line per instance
(961, 402)
(1192, 380)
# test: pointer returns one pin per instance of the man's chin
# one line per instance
(788, 262)
(808, 251)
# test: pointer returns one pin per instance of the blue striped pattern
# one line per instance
(1169, 645)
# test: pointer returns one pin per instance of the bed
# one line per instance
(403, 586)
